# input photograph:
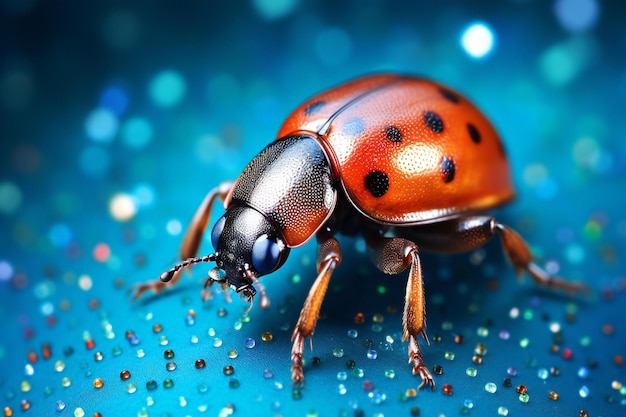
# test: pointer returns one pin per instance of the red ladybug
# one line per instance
(403, 161)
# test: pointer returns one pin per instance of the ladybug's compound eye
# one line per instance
(265, 254)
(217, 232)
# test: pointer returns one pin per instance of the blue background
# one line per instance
(149, 104)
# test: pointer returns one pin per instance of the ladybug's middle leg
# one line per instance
(329, 256)
(392, 256)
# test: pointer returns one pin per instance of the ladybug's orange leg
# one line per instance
(200, 220)
(518, 253)
(191, 241)
(392, 256)
(329, 256)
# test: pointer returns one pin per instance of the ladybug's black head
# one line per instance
(247, 245)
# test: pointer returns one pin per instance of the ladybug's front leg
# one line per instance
(392, 256)
(329, 256)
(191, 241)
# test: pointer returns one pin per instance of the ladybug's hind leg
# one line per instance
(392, 256)
(329, 256)
(467, 233)
(518, 253)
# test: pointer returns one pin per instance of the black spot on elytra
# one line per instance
(433, 121)
(449, 95)
(447, 169)
(377, 183)
(393, 134)
(314, 107)
(474, 133)
(353, 126)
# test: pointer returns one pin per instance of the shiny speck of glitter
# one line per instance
(59, 405)
(507, 383)
(521, 389)
(202, 388)
(8, 412)
(359, 318)
(170, 366)
(25, 405)
(567, 354)
(353, 334)
(341, 389)
(250, 343)
(117, 351)
(151, 385)
(157, 328)
(358, 373)
(342, 376)
(503, 411)
(482, 332)
(168, 383)
(79, 412)
(377, 397)
(222, 312)
(490, 387)
(229, 370)
(511, 371)
(449, 356)
(459, 338)
(524, 398)
(350, 364)
(338, 353)
(66, 382)
(471, 372)
(391, 374)
(268, 374)
(438, 370)
(409, 393)
(477, 359)
(543, 373)
(504, 335)
(524, 342)
(447, 389)
(232, 354)
(131, 388)
(200, 363)
(480, 349)
(583, 372)
(583, 413)
(267, 337)
(124, 375)
(98, 356)
(378, 318)
(168, 354)
(163, 341)
(25, 386)
(217, 342)
(98, 383)
(234, 383)
(553, 395)
(583, 391)
(296, 394)
(372, 354)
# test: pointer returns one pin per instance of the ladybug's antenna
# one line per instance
(168, 275)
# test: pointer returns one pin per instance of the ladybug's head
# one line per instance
(247, 245)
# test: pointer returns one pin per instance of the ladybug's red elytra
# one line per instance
(405, 162)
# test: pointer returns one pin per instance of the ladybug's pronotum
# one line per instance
(405, 162)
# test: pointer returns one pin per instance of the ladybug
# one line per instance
(405, 162)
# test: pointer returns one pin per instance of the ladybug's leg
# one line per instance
(471, 232)
(191, 241)
(329, 256)
(518, 253)
(200, 220)
(392, 256)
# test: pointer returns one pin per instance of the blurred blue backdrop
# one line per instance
(116, 118)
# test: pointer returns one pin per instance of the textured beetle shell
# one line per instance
(290, 182)
(407, 150)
